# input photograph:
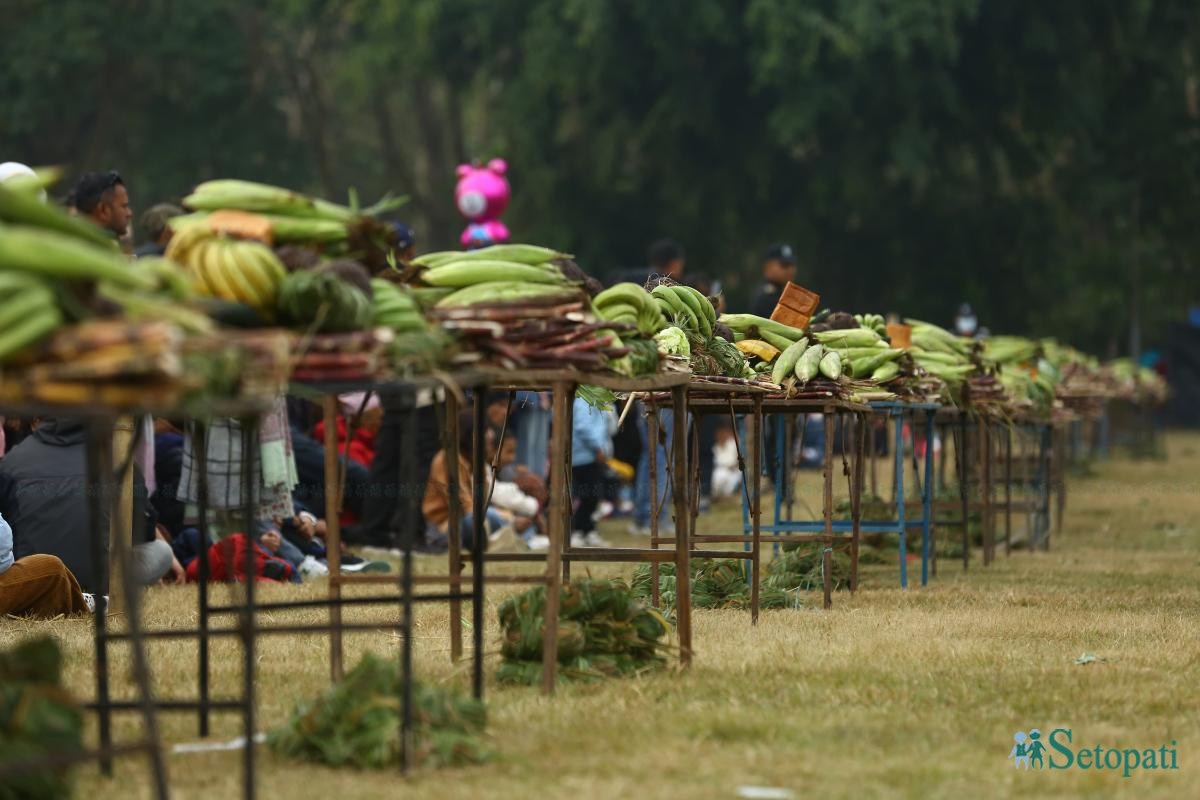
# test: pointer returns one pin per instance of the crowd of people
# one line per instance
(46, 558)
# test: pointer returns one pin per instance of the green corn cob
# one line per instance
(504, 292)
(809, 363)
(459, 274)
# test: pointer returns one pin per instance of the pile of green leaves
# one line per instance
(603, 632)
(716, 583)
(800, 569)
(357, 723)
(37, 718)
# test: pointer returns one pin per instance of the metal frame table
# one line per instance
(708, 398)
(560, 555)
(895, 412)
(756, 406)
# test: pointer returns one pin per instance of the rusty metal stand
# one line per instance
(560, 554)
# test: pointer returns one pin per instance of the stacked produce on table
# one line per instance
(1137, 384)
(291, 218)
(79, 322)
(603, 631)
(520, 305)
(318, 268)
(826, 361)
(693, 331)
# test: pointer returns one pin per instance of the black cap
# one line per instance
(406, 237)
(782, 253)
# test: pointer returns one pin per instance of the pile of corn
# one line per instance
(357, 723)
(603, 632)
(716, 583)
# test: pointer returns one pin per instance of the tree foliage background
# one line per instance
(1037, 159)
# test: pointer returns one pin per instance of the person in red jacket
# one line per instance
(362, 448)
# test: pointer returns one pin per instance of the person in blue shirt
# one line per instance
(591, 446)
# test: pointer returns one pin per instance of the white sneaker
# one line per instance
(578, 539)
(538, 543)
(311, 568)
(594, 539)
(603, 510)
(638, 530)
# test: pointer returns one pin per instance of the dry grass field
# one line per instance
(893, 693)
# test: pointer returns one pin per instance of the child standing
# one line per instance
(591, 446)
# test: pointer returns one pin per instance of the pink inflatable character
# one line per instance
(482, 195)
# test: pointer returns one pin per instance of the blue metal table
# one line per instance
(783, 523)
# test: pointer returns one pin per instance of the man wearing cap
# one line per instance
(779, 267)
(156, 226)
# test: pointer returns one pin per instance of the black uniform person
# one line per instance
(779, 267)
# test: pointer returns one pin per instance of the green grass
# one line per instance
(893, 693)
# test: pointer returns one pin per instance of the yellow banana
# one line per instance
(213, 265)
(195, 268)
(233, 257)
(258, 270)
(184, 241)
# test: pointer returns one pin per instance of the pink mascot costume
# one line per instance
(482, 195)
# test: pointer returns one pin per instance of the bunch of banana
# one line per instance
(392, 307)
(874, 322)
(632, 305)
(229, 269)
(29, 312)
(687, 308)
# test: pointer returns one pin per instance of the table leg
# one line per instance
(479, 540)
(1008, 441)
(200, 461)
(453, 523)
(927, 543)
(862, 423)
(560, 459)
(964, 494)
(680, 496)
(99, 472)
(898, 484)
(651, 412)
(333, 535)
(754, 442)
(251, 456)
(827, 506)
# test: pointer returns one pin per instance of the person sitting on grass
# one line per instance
(44, 496)
(436, 504)
(509, 495)
(37, 585)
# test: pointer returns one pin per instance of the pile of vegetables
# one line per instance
(285, 217)
(716, 583)
(603, 631)
(819, 364)
(56, 269)
(710, 348)
(521, 305)
(356, 723)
